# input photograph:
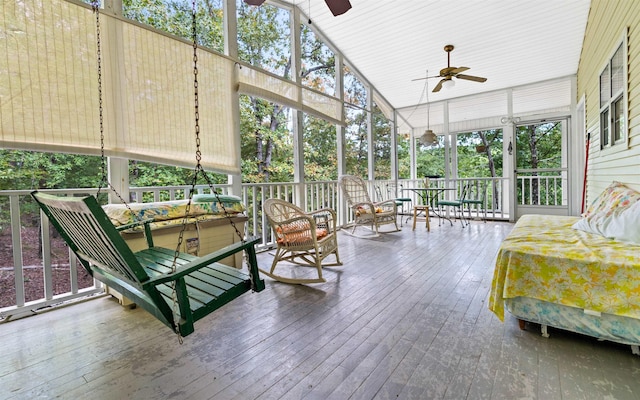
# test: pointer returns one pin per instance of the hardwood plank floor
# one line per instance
(404, 318)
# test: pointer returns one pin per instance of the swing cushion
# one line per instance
(171, 212)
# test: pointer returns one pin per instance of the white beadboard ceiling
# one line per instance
(509, 42)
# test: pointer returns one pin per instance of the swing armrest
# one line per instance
(200, 262)
(147, 229)
(146, 222)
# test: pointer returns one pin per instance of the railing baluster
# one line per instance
(46, 256)
(16, 242)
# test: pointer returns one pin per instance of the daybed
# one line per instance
(580, 274)
(209, 225)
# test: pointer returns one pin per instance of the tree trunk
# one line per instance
(531, 129)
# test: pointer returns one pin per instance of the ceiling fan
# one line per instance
(447, 74)
(337, 7)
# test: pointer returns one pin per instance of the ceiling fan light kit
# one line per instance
(448, 84)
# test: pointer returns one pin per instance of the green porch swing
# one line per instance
(177, 288)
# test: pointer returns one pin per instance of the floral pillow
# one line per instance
(615, 195)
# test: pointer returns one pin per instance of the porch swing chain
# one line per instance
(95, 5)
(198, 169)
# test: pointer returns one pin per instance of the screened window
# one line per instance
(613, 120)
(264, 37)
(320, 150)
(175, 17)
(356, 145)
(404, 155)
(430, 159)
(355, 92)
(479, 154)
(382, 144)
(318, 63)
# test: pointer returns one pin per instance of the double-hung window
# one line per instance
(613, 103)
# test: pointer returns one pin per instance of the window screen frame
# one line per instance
(613, 94)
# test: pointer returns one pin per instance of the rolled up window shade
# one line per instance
(262, 84)
(49, 91)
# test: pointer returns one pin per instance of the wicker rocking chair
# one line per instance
(304, 239)
(365, 211)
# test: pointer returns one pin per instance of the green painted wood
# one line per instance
(197, 286)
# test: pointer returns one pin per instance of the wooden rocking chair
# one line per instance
(365, 211)
(198, 286)
(302, 238)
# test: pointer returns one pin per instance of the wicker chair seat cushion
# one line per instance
(298, 234)
(365, 210)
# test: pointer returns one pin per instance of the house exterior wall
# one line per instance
(609, 21)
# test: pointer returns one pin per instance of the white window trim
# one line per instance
(623, 143)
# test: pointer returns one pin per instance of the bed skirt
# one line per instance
(602, 326)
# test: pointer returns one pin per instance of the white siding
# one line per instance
(608, 22)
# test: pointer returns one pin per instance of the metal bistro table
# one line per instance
(429, 196)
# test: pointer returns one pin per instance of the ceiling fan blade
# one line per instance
(471, 78)
(254, 2)
(456, 71)
(338, 7)
(438, 86)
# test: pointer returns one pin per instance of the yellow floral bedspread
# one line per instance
(544, 258)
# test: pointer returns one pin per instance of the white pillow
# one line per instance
(622, 224)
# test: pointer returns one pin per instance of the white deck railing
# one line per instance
(24, 219)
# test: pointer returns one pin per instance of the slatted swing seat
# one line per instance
(177, 293)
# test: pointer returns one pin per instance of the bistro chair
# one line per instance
(392, 193)
(475, 197)
(457, 206)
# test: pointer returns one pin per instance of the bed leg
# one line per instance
(543, 329)
(521, 324)
(635, 350)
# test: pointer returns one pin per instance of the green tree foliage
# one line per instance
(382, 144)
(479, 154)
(404, 159)
(24, 170)
(317, 63)
(320, 150)
(356, 141)
(175, 17)
(430, 159)
(538, 146)
(264, 41)
(27, 170)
